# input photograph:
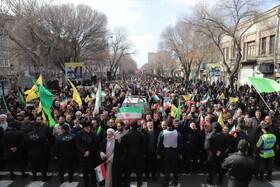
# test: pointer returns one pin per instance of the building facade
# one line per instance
(260, 48)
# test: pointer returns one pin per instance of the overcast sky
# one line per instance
(144, 20)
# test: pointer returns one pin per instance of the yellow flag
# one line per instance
(117, 86)
(40, 108)
(76, 95)
(223, 96)
(233, 99)
(33, 93)
(187, 97)
(87, 99)
(220, 120)
(174, 111)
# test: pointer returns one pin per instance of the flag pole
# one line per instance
(265, 102)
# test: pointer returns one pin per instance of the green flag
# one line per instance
(21, 98)
(264, 85)
(46, 101)
(50, 118)
(178, 116)
(99, 130)
(45, 97)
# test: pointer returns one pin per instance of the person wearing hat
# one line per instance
(170, 148)
(240, 166)
(13, 142)
(217, 145)
(109, 152)
(65, 151)
(3, 121)
(87, 144)
(265, 151)
(37, 147)
(134, 147)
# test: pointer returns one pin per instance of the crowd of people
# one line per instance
(246, 143)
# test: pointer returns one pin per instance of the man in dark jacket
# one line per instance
(240, 166)
(37, 146)
(133, 147)
(217, 147)
(151, 136)
(13, 142)
(65, 151)
(192, 147)
(87, 144)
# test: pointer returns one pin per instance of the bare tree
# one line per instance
(165, 64)
(224, 19)
(119, 47)
(179, 41)
(54, 34)
(127, 65)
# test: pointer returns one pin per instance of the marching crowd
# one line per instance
(245, 143)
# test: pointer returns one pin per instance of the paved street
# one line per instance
(189, 180)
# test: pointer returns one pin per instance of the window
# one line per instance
(271, 44)
(263, 46)
(251, 49)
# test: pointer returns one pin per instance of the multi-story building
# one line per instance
(260, 47)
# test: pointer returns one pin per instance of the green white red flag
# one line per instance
(100, 172)
(127, 114)
(63, 103)
(98, 99)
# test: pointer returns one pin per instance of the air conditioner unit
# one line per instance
(267, 68)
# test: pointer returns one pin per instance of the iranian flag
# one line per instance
(155, 97)
(63, 103)
(232, 130)
(127, 114)
(204, 101)
(165, 90)
(100, 172)
(93, 96)
(166, 103)
(201, 121)
(98, 99)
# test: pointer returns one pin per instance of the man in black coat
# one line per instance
(37, 147)
(133, 147)
(217, 147)
(65, 151)
(192, 145)
(151, 163)
(13, 142)
(240, 166)
(87, 145)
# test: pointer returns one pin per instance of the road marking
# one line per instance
(134, 184)
(35, 184)
(275, 183)
(5, 183)
(68, 184)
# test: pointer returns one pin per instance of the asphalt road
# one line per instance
(198, 180)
